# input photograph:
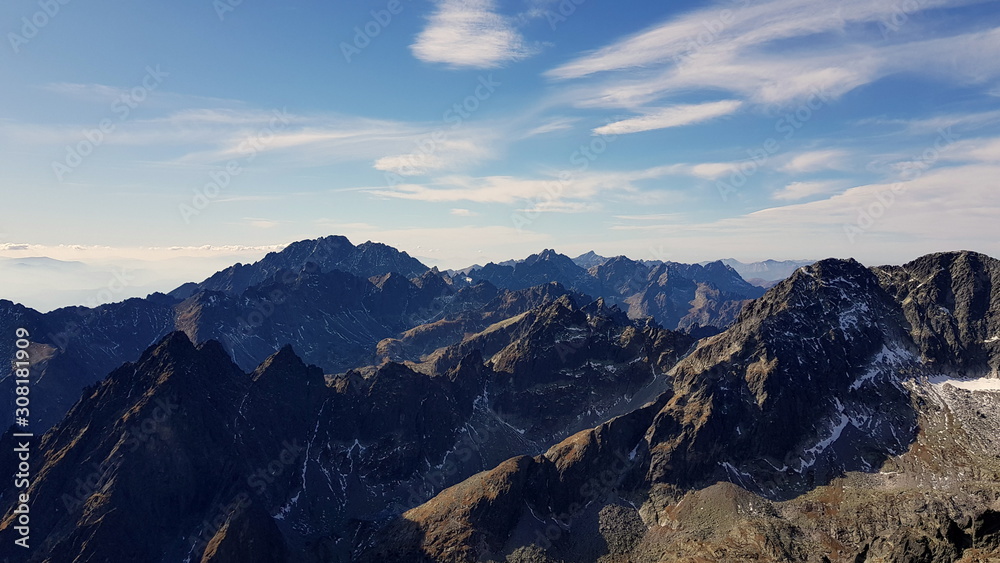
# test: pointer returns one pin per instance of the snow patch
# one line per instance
(822, 445)
(632, 454)
(741, 476)
(991, 384)
(886, 358)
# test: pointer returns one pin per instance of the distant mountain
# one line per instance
(680, 296)
(766, 271)
(589, 260)
(325, 254)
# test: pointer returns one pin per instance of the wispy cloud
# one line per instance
(261, 223)
(194, 137)
(87, 92)
(986, 150)
(704, 170)
(815, 161)
(458, 212)
(548, 194)
(652, 218)
(557, 206)
(932, 124)
(470, 34)
(802, 190)
(732, 50)
(946, 208)
(551, 126)
(674, 116)
(444, 154)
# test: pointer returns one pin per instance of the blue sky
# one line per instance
(168, 140)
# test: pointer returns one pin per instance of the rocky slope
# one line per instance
(303, 466)
(808, 431)
(952, 302)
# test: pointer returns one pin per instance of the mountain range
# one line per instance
(336, 302)
(334, 402)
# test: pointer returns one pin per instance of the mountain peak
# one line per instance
(833, 270)
(589, 260)
(547, 255)
(324, 254)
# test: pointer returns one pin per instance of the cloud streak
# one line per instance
(674, 116)
(802, 190)
(545, 194)
(815, 161)
(734, 50)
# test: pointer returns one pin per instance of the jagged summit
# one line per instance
(324, 254)
(589, 260)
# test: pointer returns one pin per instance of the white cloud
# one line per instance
(652, 217)
(674, 116)
(730, 50)
(557, 206)
(713, 170)
(552, 126)
(470, 34)
(571, 194)
(937, 123)
(704, 170)
(212, 136)
(443, 154)
(87, 92)
(972, 150)
(261, 223)
(946, 208)
(815, 161)
(458, 212)
(800, 190)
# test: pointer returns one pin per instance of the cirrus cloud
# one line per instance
(674, 116)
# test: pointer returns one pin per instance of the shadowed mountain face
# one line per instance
(460, 422)
(952, 302)
(304, 467)
(336, 318)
